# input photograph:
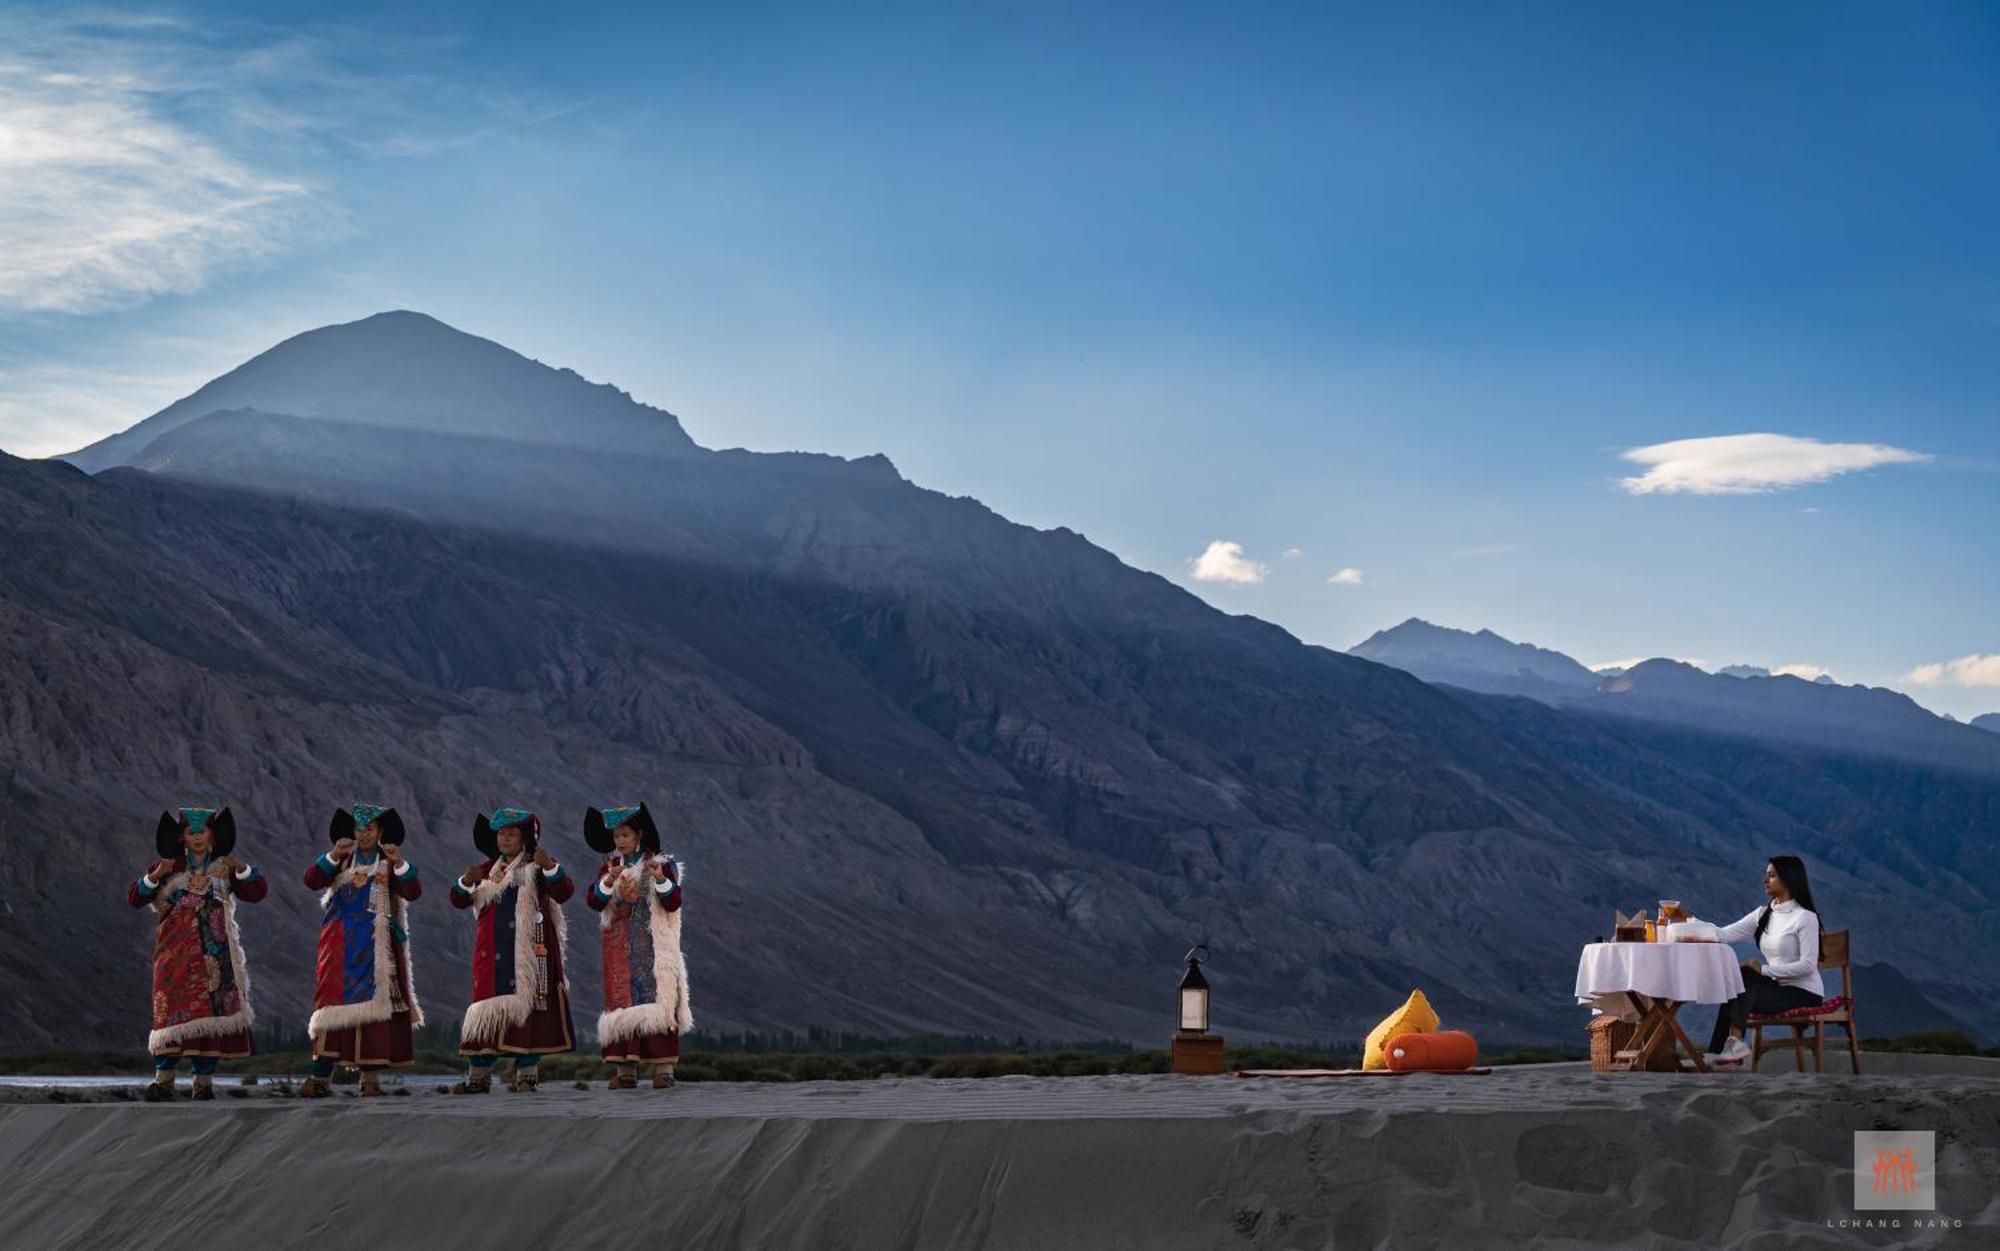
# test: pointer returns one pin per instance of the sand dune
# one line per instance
(1545, 1156)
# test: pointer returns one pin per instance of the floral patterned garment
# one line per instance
(194, 977)
(628, 955)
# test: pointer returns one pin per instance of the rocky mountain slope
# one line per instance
(929, 769)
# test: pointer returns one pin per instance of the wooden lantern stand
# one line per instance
(1197, 1053)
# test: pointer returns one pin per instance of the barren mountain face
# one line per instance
(929, 769)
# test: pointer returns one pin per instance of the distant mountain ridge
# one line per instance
(1739, 700)
(1482, 662)
(932, 769)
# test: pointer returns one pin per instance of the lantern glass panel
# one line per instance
(1194, 1008)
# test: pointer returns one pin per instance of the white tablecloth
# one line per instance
(1686, 972)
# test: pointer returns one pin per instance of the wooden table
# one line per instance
(1657, 979)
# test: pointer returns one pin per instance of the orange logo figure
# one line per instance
(1895, 1171)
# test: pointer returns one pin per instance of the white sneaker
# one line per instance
(1735, 1051)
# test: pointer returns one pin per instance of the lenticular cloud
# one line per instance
(1750, 464)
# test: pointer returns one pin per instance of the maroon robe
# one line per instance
(496, 955)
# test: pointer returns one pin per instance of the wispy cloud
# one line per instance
(1751, 464)
(1292, 553)
(112, 188)
(1223, 561)
(1973, 670)
(1350, 576)
(144, 156)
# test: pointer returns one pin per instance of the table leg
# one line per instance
(1644, 1038)
(1681, 1040)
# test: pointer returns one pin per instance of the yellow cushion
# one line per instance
(1414, 1017)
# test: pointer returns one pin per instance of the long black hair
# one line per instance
(1792, 872)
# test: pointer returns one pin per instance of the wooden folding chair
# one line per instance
(1838, 1010)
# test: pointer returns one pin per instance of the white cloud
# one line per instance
(1292, 553)
(1749, 464)
(143, 157)
(108, 195)
(1223, 561)
(1631, 661)
(1350, 576)
(1810, 673)
(1973, 670)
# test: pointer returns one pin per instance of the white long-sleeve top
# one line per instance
(1790, 944)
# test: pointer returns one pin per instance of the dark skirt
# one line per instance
(644, 1049)
(376, 1045)
(545, 1032)
(221, 1046)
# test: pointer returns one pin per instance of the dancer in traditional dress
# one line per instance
(365, 1005)
(520, 996)
(201, 982)
(638, 894)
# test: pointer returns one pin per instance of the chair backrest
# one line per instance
(1833, 954)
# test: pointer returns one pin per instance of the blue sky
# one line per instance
(1398, 291)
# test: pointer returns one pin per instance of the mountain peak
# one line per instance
(1483, 661)
(407, 370)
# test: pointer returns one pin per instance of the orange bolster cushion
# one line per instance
(1446, 1049)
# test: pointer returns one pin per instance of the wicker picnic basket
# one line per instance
(1609, 1036)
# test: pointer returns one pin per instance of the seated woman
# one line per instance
(1787, 932)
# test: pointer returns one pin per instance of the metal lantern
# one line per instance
(1194, 994)
(1195, 1050)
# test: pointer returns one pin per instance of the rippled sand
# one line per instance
(1544, 1156)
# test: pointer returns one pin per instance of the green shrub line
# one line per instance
(703, 1060)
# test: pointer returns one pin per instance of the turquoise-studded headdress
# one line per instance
(218, 822)
(484, 828)
(598, 823)
(348, 820)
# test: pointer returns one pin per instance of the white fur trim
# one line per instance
(213, 1026)
(487, 1019)
(672, 1010)
(386, 906)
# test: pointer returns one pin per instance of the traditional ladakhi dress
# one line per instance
(201, 981)
(520, 995)
(365, 1005)
(646, 1006)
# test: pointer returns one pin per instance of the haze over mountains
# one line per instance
(1740, 699)
(930, 769)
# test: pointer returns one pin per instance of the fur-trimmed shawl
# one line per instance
(208, 1026)
(487, 1019)
(670, 1009)
(386, 906)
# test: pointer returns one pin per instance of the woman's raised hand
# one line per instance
(343, 848)
(392, 852)
(160, 870)
(543, 860)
